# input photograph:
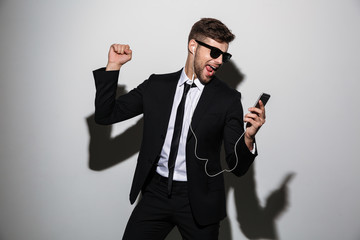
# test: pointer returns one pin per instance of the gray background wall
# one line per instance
(63, 177)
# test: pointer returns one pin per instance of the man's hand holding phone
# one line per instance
(255, 119)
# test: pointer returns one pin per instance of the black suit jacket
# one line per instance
(217, 118)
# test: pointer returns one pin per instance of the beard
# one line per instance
(199, 72)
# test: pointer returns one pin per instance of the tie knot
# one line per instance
(188, 86)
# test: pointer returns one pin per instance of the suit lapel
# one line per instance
(205, 101)
(168, 91)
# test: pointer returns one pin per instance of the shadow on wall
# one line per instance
(104, 151)
(255, 221)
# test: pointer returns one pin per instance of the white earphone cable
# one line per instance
(196, 140)
(207, 160)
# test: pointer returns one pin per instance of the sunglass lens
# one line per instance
(215, 53)
(226, 57)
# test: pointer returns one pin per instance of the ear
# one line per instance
(192, 46)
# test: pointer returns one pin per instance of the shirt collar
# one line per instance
(184, 79)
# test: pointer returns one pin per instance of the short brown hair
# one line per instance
(211, 28)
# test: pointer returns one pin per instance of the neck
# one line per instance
(189, 68)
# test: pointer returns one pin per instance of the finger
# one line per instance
(262, 108)
(250, 119)
(259, 111)
(128, 51)
(116, 48)
(113, 48)
(261, 104)
(255, 110)
(254, 117)
(251, 115)
(121, 49)
(251, 122)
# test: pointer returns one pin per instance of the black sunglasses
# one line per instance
(215, 52)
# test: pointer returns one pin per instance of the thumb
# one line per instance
(128, 51)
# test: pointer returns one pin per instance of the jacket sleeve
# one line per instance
(108, 109)
(238, 156)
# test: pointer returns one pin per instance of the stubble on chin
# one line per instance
(199, 73)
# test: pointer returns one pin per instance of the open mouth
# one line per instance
(214, 68)
(211, 69)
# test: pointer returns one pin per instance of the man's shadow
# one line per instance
(254, 220)
(105, 151)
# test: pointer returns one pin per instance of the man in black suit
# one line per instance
(187, 116)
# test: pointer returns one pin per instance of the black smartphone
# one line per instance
(264, 97)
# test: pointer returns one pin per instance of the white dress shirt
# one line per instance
(192, 99)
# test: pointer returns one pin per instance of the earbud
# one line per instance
(194, 50)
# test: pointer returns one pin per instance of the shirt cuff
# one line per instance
(253, 149)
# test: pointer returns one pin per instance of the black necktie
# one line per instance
(176, 136)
